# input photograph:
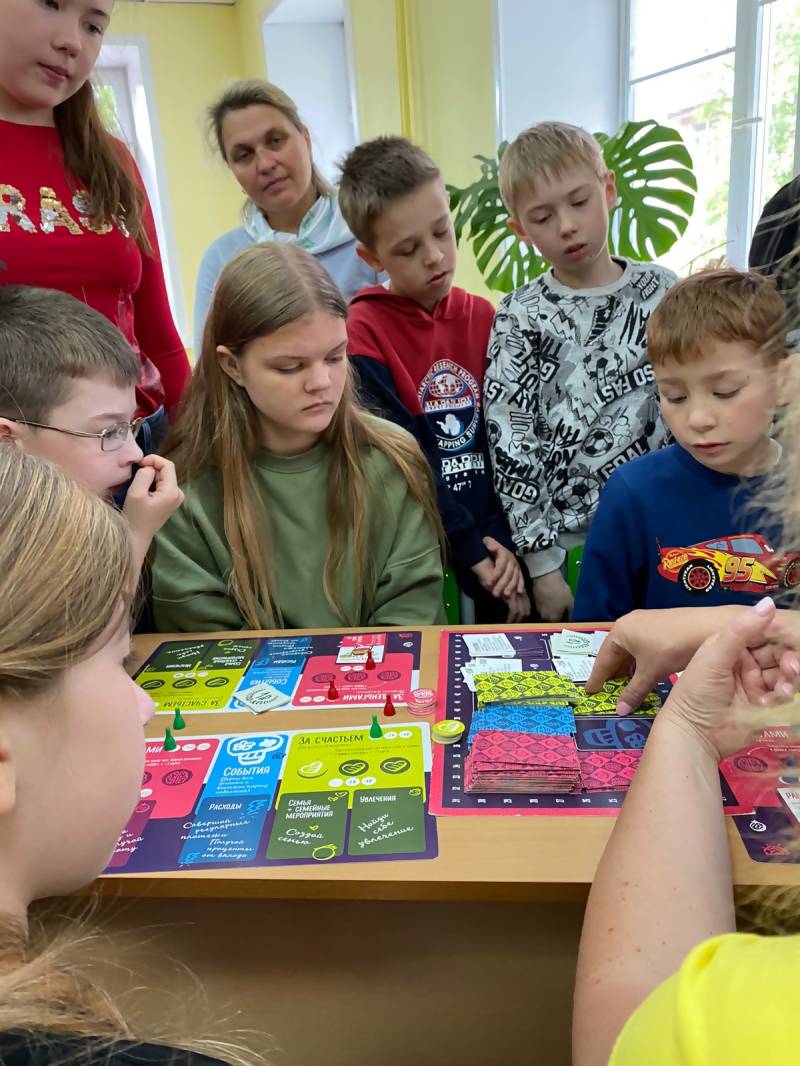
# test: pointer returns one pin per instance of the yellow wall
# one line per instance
(249, 14)
(372, 25)
(194, 51)
(451, 86)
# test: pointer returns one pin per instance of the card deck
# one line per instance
(605, 701)
(608, 771)
(262, 697)
(536, 718)
(541, 686)
(521, 762)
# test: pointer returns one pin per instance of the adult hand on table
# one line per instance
(655, 644)
(712, 698)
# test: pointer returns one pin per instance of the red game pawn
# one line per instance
(333, 692)
(369, 662)
(388, 707)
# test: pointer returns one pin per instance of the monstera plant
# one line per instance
(656, 191)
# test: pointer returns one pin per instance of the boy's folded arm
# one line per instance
(607, 587)
(379, 394)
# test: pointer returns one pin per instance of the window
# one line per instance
(725, 73)
(127, 106)
(743, 545)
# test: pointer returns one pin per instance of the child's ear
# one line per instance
(610, 188)
(369, 258)
(11, 432)
(230, 364)
(520, 232)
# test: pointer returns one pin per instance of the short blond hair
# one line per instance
(546, 150)
(717, 305)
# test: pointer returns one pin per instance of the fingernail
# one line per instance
(794, 666)
(764, 606)
(624, 708)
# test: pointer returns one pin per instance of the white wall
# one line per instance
(309, 62)
(558, 59)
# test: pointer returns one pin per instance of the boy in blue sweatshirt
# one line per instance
(682, 526)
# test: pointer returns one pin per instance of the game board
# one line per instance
(607, 745)
(282, 673)
(765, 781)
(281, 799)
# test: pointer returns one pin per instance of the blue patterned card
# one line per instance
(547, 720)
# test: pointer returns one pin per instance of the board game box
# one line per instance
(281, 798)
(282, 673)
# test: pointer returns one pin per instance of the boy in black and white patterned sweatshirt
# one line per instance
(569, 392)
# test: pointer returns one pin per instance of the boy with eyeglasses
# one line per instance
(67, 394)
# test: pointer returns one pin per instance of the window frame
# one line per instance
(743, 212)
(129, 55)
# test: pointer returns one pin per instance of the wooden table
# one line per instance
(467, 958)
(504, 858)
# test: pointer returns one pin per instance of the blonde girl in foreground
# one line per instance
(301, 509)
(71, 756)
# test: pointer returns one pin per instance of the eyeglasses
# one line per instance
(112, 438)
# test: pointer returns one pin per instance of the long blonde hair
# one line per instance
(56, 598)
(260, 290)
(65, 571)
(65, 575)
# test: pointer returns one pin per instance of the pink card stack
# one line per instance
(522, 762)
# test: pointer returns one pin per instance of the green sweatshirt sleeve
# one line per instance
(409, 591)
(190, 567)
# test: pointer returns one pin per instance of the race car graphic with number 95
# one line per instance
(742, 563)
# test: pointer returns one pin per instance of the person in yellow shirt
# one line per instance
(663, 978)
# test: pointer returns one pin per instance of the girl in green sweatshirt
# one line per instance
(301, 510)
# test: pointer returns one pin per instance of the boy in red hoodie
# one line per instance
(419, 346)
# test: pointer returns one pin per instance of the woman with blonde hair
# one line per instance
(71, 758)
(663, 977)
(259, 134)
(300, 509)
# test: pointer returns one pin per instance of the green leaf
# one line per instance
(656, 194)
(655, 202)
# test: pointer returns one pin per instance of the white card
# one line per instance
(791, 797)
(575, 667)
(262, 697)
(488, 644)
(599, 637)
(488, 666)
(571, 642)
(359, 655)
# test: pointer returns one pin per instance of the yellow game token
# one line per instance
(448, 731)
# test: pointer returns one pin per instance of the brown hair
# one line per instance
(543, 151)
(721, 305)
(48, 340)
(257, 93)
(102, 165)
(261, 289)
(374, 175)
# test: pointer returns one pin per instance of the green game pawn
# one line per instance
(375, 731)
(179, 722)
(170, 744)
